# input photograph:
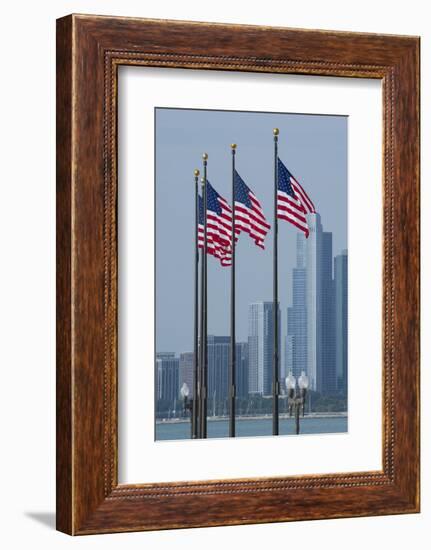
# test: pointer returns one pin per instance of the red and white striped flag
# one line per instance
(249, 216)
(219, 226)
(293, 203)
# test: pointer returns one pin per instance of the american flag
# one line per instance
(219, 226)
(293, 203)
(249, 216)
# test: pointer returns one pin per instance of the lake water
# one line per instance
(254, 427)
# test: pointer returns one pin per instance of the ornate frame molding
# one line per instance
(90, 500)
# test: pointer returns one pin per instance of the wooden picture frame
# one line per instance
(89, 52)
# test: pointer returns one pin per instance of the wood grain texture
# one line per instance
(64, 497)
(90, 49)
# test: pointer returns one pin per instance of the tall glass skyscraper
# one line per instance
(310, 341)
(261, 346)
(320, 308)
(340, 288)
(296, 340)
(326, 379)
(313, 291)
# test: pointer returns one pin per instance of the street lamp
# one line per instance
(187, 403)
(295, 398)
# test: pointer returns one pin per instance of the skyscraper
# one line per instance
(260, 347)
(167, 372)
(186, 371)
(296, 341)
(310, 340)
(242, 369)
(340, 289)
(288, 351)
(313, 291)
(320, 308)
(218, 369)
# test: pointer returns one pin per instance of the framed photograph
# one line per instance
(237, 274)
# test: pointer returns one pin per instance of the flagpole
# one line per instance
(232, 369)
(275, 362)
(204, 323)
(195, 428)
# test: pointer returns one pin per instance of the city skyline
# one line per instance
(254, 356)
(315, 335)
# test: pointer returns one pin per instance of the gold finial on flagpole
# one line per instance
(276, 131)
(205, 156)
(196, 172)
(233, 145)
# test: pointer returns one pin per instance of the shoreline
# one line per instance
(343, 414)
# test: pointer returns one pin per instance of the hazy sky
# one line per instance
(314, 149)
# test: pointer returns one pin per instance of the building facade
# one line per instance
(341, 336)
(320, 308)
(326, 380)
(260, 347)
(186, 371)
(218, 372)
(310, 344)
(242, 369)
(296, 340)
(167, 377)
